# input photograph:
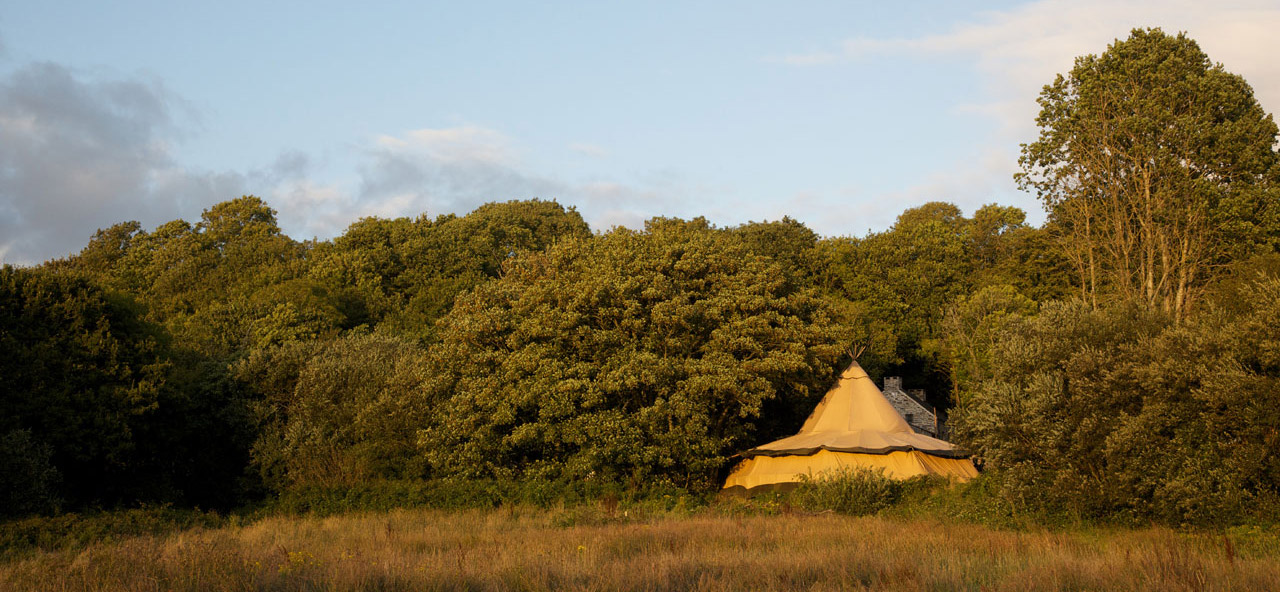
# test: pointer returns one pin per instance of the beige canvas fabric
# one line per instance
(853, 425)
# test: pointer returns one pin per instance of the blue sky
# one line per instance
(839, 114)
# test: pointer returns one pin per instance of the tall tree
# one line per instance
(1154, 164)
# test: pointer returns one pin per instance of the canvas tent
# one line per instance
(854, 425)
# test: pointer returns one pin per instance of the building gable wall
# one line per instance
(917, 414)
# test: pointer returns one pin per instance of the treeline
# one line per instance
(212, 362)
(1120, 361)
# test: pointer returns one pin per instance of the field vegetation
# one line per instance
(638, 548)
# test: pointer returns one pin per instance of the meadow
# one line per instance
(604, 547)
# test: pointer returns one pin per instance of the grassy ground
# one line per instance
(603, 548)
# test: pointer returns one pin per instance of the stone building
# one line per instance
(911, 404)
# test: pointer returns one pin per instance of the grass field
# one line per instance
(529, 549)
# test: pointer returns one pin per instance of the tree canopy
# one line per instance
(1156, 166)
(630, 355)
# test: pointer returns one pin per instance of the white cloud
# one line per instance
(607, 204)
(588, 149)
(459, 145)
(983, 178)
(445, 170)
(307, 209)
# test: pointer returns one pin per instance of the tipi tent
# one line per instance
(854, 425)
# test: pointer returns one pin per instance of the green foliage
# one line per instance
(338, 412)
(625, 356)
(896, 288)
(1156, 166)
(1123, 414)
(407, 273)
(74, 531)
(510, 357)
(971, 328)
(1235, 291)
(28, 479)
(104, 252)
(383, 495)
(230, 283)
(199, 438)
(856, 491)
(1006, 251)
(81, 373)
(1158, 169)
(787, 241)
(901, 280)
(978, 501)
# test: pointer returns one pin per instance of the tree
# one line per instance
(28, 479)
(1120, 413)
(408, 272)
(1155, 165)
(81, 374)
(970, 330)
(104, 252)
(337, 412)
(901, 282)
(627, 356)
(787, 241)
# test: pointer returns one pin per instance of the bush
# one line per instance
(856, 491)
(71, 530)
(386, 495)
(1123, 415)
(337, 413)
(28, 480)
(459, 494)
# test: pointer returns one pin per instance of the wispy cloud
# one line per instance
(455, 170)
(466, 145)
(1019, 50)
(446, 170)
(451, 170)
(1016, 52)
(588, 149)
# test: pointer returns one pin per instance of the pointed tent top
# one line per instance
(855, 404)
(855, 416)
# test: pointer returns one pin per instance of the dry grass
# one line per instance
(527, 550)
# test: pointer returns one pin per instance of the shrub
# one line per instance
(458, 494)
(1123, 415)
(72, 531)
(28, 480)
(857, 491)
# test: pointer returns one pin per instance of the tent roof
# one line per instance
(855, 417)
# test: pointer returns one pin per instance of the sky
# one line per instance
(839, 114)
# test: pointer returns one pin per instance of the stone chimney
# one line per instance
(893, 382)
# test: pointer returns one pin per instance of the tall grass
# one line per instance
(603, 547)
